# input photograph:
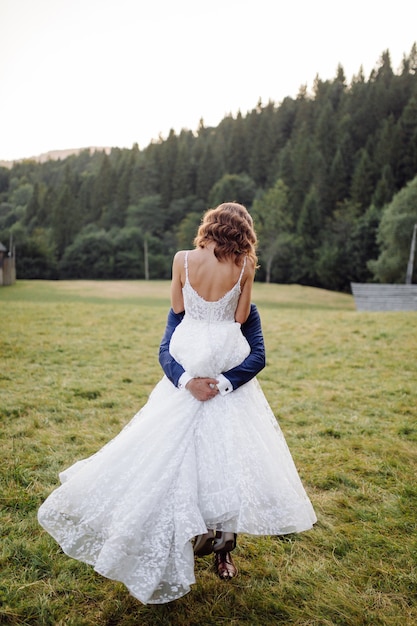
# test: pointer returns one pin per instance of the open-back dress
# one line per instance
(180, 467)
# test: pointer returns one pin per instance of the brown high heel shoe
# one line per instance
(203, 544)
(224, 566)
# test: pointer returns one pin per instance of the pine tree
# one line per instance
(363, 180)
(338, 179)
(407, 162)
(64, 220)
(33, 209)
(263, 150)
(385, 188)
(310, 231)
(237, 161)
(103, 191)
(182, 184)
(168, 165)
(123, 186)
(207, 173)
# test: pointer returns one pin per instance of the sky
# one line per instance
(80, 73)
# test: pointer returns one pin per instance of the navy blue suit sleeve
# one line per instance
(172, 369)
(239, 375)
(255, 361)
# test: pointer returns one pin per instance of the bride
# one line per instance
(185, 476)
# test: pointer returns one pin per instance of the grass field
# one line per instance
(78, 359)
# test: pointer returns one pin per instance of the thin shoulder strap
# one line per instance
(243, 269)
(186, 264)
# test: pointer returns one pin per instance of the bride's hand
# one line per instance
(202, 388)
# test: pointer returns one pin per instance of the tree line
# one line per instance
(329, 177)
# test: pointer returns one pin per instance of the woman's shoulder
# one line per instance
(180, 255)
(249, 266)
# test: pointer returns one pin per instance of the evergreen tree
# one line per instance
(4, 183)
(309, 230)
(407, 161)
(123, 186)
(178, 209)
(207, 173)
(32, 217)
(187, 230)
(182, 184)
(103, 191)
(363, 180)
(334, 263)
(303, 157)
(168, 165)
(237, 161)
(285, 166)
(356, 110)
(362, 246)
(338, 179)
(326, 133)
(64, 220)
(387, 152)
(263, 150)
(385, 188)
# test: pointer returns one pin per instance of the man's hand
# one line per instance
(202, 388)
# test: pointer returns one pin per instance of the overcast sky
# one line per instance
(78, 73)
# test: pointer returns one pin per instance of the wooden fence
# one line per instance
(384, 297)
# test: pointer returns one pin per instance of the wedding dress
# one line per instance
(179, 467)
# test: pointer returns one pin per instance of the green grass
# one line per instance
(77, 361)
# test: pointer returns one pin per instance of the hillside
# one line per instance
(54, 155)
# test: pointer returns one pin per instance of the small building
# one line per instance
(7, 265)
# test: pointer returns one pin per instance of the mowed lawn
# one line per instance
(78, 360)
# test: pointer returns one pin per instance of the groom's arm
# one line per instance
(172, 369)
(230, 380)
(255, 361)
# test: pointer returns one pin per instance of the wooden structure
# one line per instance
(384, 297)
(7, 265)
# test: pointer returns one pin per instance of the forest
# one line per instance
(330, 178)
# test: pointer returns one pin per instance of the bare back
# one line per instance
(211, 279)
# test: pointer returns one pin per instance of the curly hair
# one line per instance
(230, 227)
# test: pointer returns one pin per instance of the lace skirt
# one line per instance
(179, 467)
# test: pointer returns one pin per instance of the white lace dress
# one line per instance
(179, 467)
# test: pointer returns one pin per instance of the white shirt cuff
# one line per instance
(224, 385)
(183, 380)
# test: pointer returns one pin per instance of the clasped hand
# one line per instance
(202, 388)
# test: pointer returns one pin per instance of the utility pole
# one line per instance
(409, 275)
(146, 256)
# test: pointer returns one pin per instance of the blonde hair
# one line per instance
(230, 227)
